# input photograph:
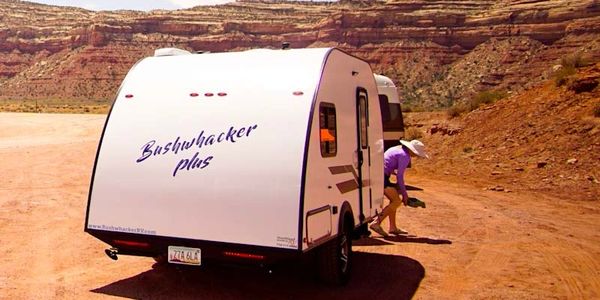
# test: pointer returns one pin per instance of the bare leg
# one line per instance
(390, 211)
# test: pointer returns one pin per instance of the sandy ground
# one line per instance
(468, 243)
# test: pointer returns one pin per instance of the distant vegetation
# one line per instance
(484, 97)
(413, 133)
(54, 106)
(568, 67)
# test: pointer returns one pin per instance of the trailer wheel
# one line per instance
(335, 257)
(160, 259)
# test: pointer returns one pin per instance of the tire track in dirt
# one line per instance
(572, 267)
(497, 233)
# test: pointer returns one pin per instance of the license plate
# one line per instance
(184, 256)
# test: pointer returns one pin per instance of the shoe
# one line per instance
(414, 202)
(377, 228)
(398, 231)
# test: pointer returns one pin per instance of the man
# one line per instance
(396, 159)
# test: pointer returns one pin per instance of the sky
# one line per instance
(144, 5)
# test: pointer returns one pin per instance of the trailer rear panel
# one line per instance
(207, 147)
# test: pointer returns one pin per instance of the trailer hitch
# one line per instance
(112, 253)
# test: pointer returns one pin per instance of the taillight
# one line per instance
(129, 96)
(194, 95)
(298, 93)
(131, 244)
(244, 255)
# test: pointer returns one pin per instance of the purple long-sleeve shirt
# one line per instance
(397, 158)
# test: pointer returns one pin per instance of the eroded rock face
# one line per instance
(438, 52)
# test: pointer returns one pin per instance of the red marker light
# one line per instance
(222, 94)
(209, 94)
(194, 95)
(129, 96)
(298, 93)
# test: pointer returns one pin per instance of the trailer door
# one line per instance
(363, 150)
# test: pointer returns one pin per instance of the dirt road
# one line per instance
(468, 243)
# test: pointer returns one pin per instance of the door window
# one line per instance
(363, 119)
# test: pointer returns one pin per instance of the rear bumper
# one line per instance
(153, 246)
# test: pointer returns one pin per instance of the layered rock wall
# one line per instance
(48, 51)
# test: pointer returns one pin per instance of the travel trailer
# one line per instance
(391, 111)
(244, 157)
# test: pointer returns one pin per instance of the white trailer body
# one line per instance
(241, 154)
(391, 111)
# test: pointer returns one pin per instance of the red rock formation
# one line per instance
(437, 51)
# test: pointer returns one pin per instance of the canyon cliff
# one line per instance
(437, 52)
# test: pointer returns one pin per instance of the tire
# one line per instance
(334, 259)
(160, 259)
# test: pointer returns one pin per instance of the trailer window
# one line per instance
(327, 132)
(384, 104)
(363, 120)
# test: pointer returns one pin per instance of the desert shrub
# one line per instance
(412, 133)
(597, 110)
(455, 110)
(575, 60)
(484, 97)
(413, 107)
(468, 149)
(561, 77)
(487, 97)
(569, 64)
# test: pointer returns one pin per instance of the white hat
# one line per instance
(416, 147)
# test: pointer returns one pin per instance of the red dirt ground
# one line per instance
(468, 243)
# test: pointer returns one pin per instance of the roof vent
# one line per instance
(170, 52)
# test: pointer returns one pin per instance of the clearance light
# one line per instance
(129, 96)
(131, 244)
(209, 94)
(244, 255)
(298, 93)
(222, 94)
(194, 95)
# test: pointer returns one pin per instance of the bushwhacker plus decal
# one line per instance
(196, 161)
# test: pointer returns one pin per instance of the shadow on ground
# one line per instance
(390, 240)
(416, 239)
(413, 188)
(375, 276)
